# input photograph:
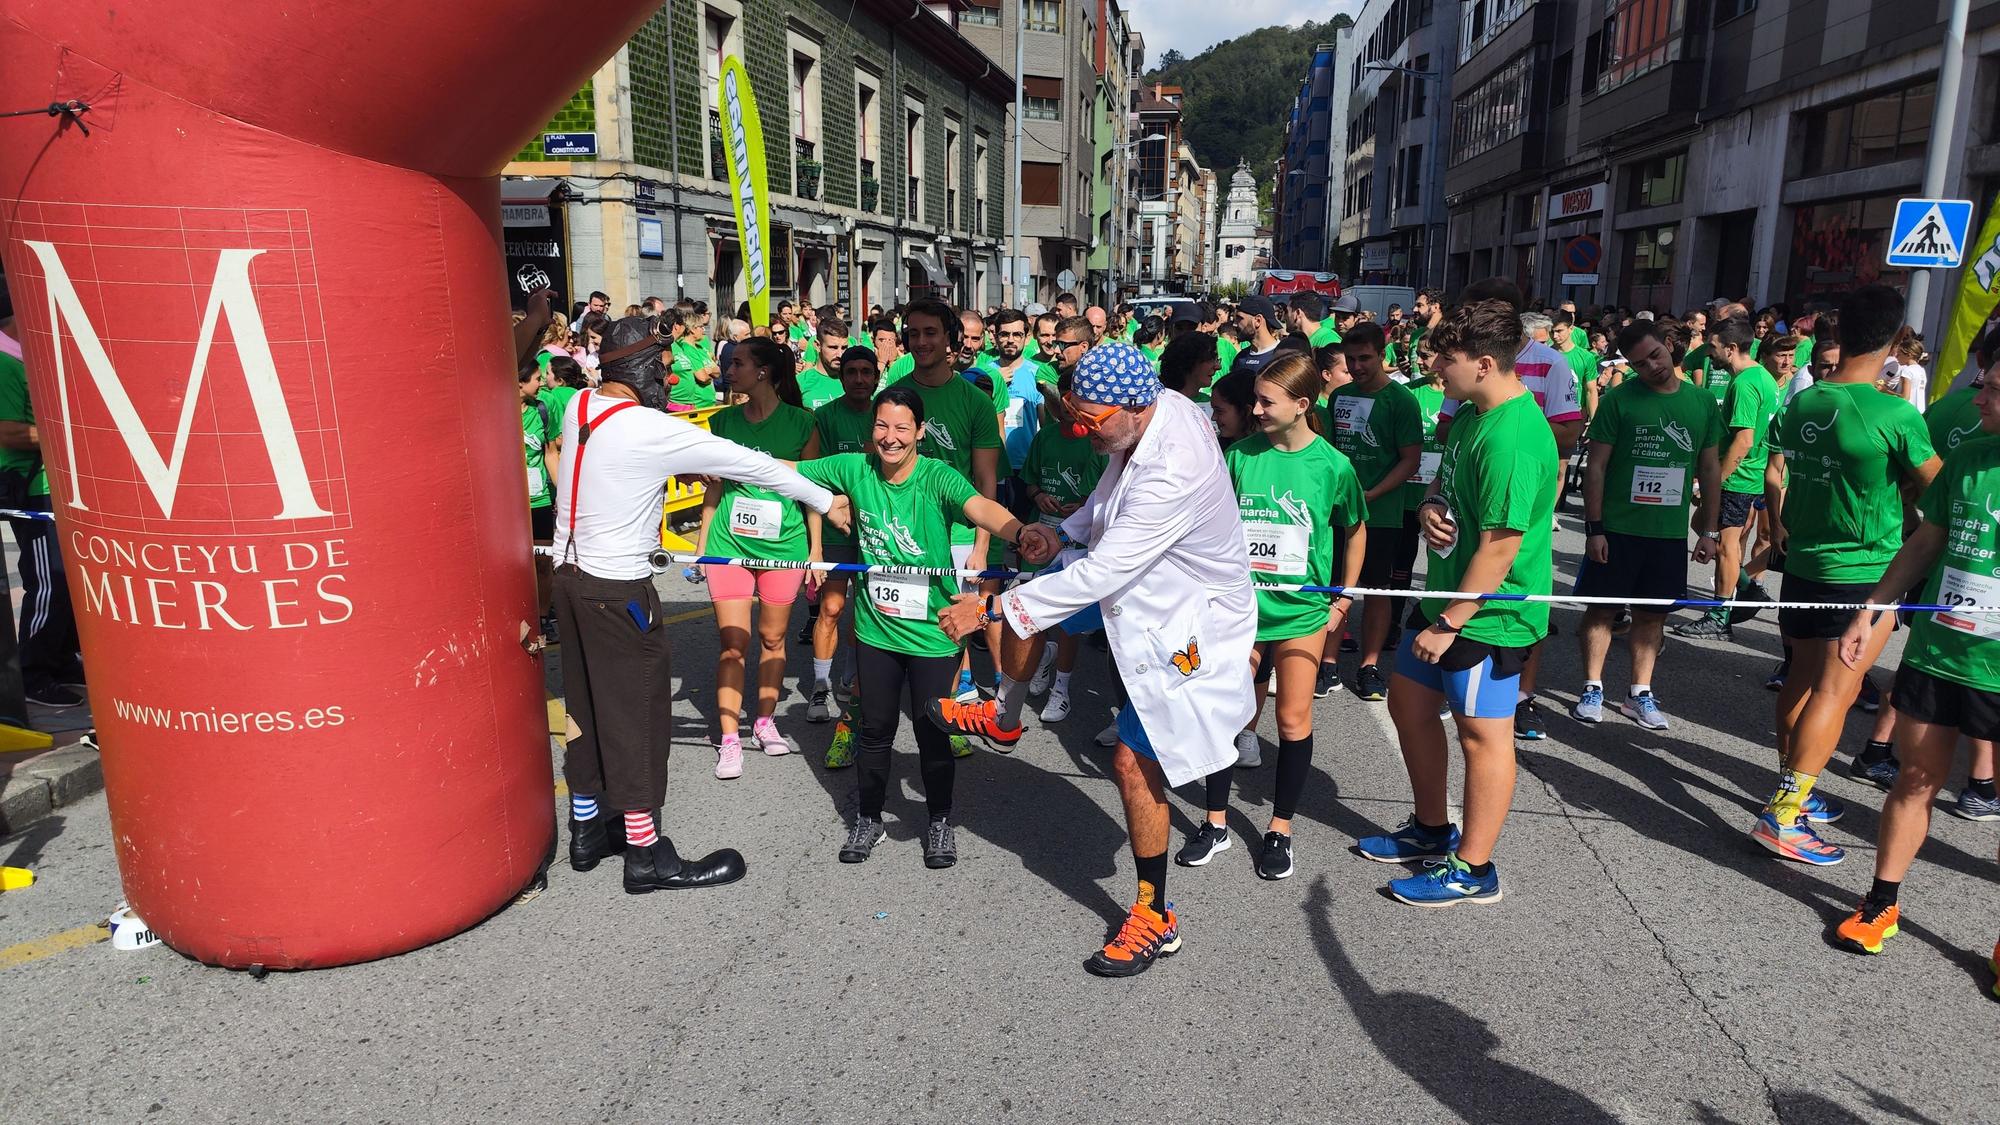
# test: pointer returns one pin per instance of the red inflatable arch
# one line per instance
(263, 311)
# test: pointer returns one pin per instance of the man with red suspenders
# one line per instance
(618, 458)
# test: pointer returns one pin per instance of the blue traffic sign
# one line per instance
(573, 144)
(1929, 233)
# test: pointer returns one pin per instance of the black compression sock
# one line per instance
(1482, 870)
(1153, 881)
(1876, 752)
(1432, 829)
(1883, 893)
(1982, 786)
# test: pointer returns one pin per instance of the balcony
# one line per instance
(806, 170)
(1646, 105)
(718, 156)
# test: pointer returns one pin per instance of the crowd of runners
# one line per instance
(1196, 492)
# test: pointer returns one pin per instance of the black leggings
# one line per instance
(880, 677)
(1295, 756)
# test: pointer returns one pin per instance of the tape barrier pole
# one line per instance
(302, 613)
(664, 560)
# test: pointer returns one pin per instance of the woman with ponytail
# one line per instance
(745, 521)
(1298, 496)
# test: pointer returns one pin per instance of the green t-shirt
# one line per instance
(1953, 420)
(751, 522)
(1430, 404)
(842, 429)
(818, 388)
(958, 418)
(1225, 350)
(1655, 441)
(1323, 335)
(1500, 471)
(1963, 649)
(690, 356)
(1847, 448)
(1371, 429)
(558, 399)
(15, 407)
(1295, 508)
(1802, 355)
(1582, 364)
(1065, 467)
(900, 525)
(1750, 404)
(1579, 340)
(539, 426)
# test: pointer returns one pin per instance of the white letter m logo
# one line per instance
(229, 295)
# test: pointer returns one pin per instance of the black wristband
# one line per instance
(1593, 527)
(1444, 625)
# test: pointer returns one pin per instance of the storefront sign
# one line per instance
(1375, 256)
(524, 214)
(1577, 201)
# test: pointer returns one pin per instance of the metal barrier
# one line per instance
(683, 494)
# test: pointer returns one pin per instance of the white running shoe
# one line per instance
(1045, 672)
(1108, 736)
(1057, 708)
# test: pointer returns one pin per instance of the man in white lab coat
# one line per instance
(1163, 560)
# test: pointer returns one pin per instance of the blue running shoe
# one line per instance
(1799, 842)
(1971, 806)
(1882, 774)
(1821, 809)
(1408, 842)
(968, 692)
(1445, 882)
(1644, 710)
(1589, 706)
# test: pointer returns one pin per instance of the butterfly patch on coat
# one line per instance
(1188, 661)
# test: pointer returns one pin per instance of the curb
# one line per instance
(37, 785)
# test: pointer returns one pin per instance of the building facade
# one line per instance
(1170, 195)
(1120, 55)
(1062, 57)
(1743, 149)
(1309, 175)
(1399, 73)
(885, 150)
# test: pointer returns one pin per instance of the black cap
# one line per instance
(1260, 307)
(1184, 312)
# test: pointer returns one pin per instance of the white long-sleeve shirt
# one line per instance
(623, 482)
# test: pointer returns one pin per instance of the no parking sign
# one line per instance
(1580, 256)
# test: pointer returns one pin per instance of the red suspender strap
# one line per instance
(583, 428)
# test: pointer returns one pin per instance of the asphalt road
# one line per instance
(1648, 963)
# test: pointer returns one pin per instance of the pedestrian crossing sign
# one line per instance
(1929, 233)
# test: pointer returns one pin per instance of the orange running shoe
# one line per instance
(1144, 938)
(1863, 933)
(981, 719)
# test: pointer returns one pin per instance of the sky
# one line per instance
(1193, 26)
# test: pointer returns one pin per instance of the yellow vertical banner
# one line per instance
(1978, 293)
(743, 144)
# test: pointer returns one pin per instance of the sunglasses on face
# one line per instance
(1089, 421)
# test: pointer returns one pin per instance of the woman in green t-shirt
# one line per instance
(694, 369)
(904, 507)
(742, 521)
(1298, 497)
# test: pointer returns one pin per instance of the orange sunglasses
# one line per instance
(1087, 421)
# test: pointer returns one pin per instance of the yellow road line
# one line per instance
(690, 615)
(39, 948)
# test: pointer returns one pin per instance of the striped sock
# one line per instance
(639, 831)
(581, 807)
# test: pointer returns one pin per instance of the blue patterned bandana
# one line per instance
(1116, 374)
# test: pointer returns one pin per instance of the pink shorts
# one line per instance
(738, 583)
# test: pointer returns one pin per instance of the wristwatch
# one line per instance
(992, 611)
(1443, 625)
(1711, 536)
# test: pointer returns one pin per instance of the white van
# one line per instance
(1378, 298)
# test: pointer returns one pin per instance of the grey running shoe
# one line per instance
(1707, 627)
(1249, 752)
(1971, 806)
(1589, 707)
(861, 839)
(1644, 710)
(940, 844)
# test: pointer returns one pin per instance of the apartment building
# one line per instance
(1399, 75)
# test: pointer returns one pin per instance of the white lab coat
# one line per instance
(1168, 565)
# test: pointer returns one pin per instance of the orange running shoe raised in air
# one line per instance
(981, 719)
(1144, 938)
(1865, 933)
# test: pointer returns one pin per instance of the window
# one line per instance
(1041, 184)
(1726, 10)
(981, 168)
(1043, 15)
(868, 140)
(1559, 79)
(985, 13)
(951, 178)
(1423, 16)
(1413, 179)
(1876, 130)
(1419, 87)
(1527, 212)
(1041, 98)
(805, 98)
(1480, 21)
(1658, 181)
(1640, 36)
(719, 39)
(1649, 271)
(1492, 113)
(913, 162)
(1153, 169)
(1838, 246)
